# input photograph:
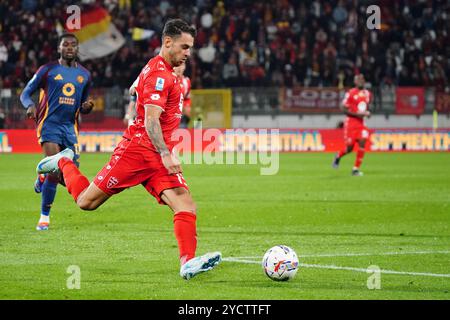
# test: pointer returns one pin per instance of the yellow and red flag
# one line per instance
(98, 36)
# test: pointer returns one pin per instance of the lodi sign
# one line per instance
(312, 100)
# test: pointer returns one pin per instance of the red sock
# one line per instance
(186, 234)
(75, 181)
(359, 157)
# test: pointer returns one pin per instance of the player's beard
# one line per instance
(178, 63)
(70, 59)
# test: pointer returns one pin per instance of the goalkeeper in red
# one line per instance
(355, 106)
(144, 156)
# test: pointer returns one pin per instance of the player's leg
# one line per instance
(359, 157)
(337, 158)
(46, 185)
(184, 209)
(87, 197)
(91, 198)
(180, 201)
(122, 171)
(349, 143)
(39, 182)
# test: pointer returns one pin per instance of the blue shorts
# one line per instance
(63, 144)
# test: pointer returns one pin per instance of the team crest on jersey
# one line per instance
(80, 79)
(155, 96)
(68, 89)
(58, 77)
(112, 182)
(159, 84)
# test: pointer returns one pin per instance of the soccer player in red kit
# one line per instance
(186, 91)
(144, 156)
(355, 106)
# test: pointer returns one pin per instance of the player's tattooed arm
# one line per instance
(153, 127)
(154, 131)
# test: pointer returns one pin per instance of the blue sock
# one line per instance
(48, 195)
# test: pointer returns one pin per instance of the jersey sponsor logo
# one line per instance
(66, 100)
(112, 182)
(80, 79)
(155, 96)
(58, 77)
(159, 84)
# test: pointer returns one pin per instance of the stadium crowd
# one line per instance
(250, 43)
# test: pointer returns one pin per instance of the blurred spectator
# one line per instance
(230, 73)
(2, 118)
(340, 13)
(207, 55)
(3, 52)
(322, 42)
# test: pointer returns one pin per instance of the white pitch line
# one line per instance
(358, 254)
(425, 274)
(319, 266)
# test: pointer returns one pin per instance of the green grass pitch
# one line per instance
(396, 217)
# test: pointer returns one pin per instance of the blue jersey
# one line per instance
(62, 92)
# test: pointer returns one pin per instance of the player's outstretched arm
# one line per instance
(30, 88)
(154, 131)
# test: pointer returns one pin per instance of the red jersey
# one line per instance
(158, 85)
(356, 100)
(186, 88)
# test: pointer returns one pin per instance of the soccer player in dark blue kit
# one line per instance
(64, 89)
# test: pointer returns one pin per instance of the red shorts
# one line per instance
(132, 164)
(353, 134)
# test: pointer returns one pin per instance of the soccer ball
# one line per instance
(280, 263)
